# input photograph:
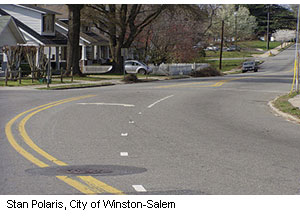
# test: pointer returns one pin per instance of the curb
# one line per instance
(277, 112)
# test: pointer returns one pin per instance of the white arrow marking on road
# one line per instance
(139, 188)
(160, 100)
(124, 154)
(108, 104)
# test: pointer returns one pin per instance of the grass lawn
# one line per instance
(225, 54)
(258, 44)
(283, 105)
(76, 86)
(27, 82)
(227, 65)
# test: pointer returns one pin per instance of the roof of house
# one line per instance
(37, 9)
(7, 21)
(92, 37)
(58, 39)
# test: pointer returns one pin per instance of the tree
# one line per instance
(280, 18)
(122, 24)
(73, 55)
(238, 23)
(177, 34)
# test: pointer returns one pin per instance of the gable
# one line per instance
(28, 17)
(9, 32)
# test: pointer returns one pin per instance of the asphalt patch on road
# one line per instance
(87, 170)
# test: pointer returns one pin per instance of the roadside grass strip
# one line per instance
(282, 103)
(91, 186)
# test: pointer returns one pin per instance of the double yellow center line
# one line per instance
(199, 84)
(85, 184)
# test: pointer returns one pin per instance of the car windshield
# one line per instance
(248, 63)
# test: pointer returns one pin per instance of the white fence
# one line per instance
(177, 69)
(99, 69)
(163, 69)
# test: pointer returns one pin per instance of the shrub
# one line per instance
(131, 78)
(206, 72)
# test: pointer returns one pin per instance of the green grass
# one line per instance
(225, 54)
(258, 44)
(227, 65)
(61, 87)
(283, 105)
(27, 82)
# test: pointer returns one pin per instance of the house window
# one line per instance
(48, 23)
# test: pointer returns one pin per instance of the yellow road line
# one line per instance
(14, 143)
(95, 186)
(29, 142)
(179, 85)
(99, 186)
(76, 184)
(217, 84)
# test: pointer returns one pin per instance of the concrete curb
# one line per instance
(277, 112)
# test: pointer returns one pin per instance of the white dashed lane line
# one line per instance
(124, 134)
(139, 188)
(124, 154)
(160, 100)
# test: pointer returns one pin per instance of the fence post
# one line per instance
(20, 75)
(6, 76)
(31, 76)
(72, 74)
(61, 75)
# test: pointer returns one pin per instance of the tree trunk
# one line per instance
(73, 49)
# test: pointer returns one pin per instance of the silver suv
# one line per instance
(250, 66)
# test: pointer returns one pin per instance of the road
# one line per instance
(191, 136)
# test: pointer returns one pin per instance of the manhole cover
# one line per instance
(99, 170)
(78, 171)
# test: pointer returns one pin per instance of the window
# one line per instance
(48, 23)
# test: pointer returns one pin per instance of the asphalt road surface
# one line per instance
(191, 136)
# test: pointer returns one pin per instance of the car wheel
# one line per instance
(142, 71)
(255, 70)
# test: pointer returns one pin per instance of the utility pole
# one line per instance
(297, 55)
(221, 51)
(268, 28)
(235, 16)
(49, 68)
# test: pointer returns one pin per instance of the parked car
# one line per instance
(250, 66)
(233, 48)
(134, 66)
(212, 48)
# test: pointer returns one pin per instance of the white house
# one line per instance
(39, 27)
(10, 35)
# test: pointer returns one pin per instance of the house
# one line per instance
(94, 47)
(40, 28)
(10, 35)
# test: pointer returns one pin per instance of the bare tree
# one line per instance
(122, 24)
(178, 34)
(73, 55)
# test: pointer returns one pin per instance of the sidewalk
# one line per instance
(35, 87)
(295, 101)
(271, 52)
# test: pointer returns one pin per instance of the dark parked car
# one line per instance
(250, 66)
(233, 48)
